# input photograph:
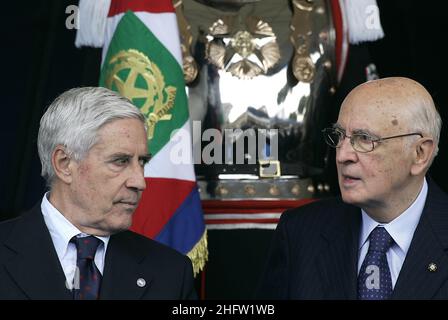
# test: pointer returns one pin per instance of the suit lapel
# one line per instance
(35, 266)
(339, 255)
(124, 274)
(428, 246)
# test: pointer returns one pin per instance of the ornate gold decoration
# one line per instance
(243, 43)
(189, 65)
(303, 66)
(243, 53)
(250, 190)
(221, 26)
(139, 79)
(310, 188)
(295, 190)
(222, 191)
(274, 190)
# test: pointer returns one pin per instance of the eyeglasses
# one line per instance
(361, 142)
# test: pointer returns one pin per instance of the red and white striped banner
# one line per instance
(246, 214)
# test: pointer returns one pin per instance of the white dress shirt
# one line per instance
(401, 229)
(61, 231)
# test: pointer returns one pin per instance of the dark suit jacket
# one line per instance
(314, 253)
(30, 268)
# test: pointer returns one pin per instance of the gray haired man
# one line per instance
(75, 244)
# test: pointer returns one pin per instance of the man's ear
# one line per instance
(61, 160)
(424, 148)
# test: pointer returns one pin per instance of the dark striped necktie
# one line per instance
(87, 281)
(374, 280)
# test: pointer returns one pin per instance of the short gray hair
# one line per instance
(74, 119)
(426, 119)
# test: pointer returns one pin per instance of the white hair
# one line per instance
(74, 119)
(426, 119)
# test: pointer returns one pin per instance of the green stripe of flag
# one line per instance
(147, 83)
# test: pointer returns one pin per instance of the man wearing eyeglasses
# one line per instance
(387, 236)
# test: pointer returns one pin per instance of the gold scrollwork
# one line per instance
(139, 79)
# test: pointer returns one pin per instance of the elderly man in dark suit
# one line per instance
(387, 238)
(75, 244)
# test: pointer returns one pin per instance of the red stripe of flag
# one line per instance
(159, 202)
(153, 6)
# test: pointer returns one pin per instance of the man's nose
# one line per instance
(345, 152)
(136, 179)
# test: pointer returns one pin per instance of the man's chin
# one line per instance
(350, 198)
(119, 226)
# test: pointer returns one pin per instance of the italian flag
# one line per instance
(142, 61)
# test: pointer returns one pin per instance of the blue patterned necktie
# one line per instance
(374, 281)
(87, 277)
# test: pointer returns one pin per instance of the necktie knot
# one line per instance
(380, 240)
(86, 246)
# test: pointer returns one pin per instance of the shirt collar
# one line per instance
(402, 228)
(61, 230)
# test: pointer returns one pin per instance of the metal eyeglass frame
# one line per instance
(352, 141)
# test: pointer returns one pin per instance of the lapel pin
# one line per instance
(141, 282)
(432, 267)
